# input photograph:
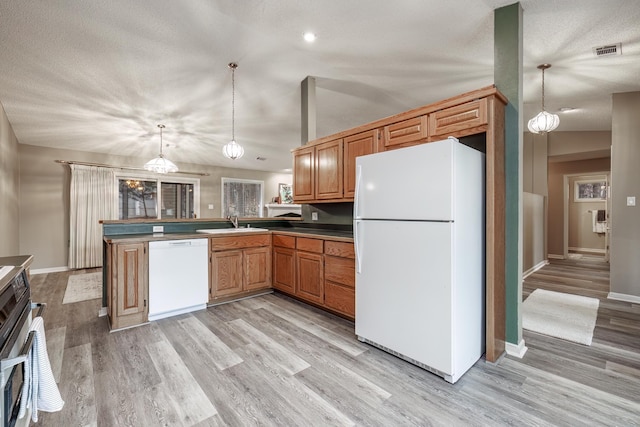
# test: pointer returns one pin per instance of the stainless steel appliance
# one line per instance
(15, 341)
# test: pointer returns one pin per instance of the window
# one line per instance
(147, 196)
(241, 197)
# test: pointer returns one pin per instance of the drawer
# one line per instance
(284, 241)
(340, 270)
(309, 245)
(239, 242)
(340, 298)
(341, 249)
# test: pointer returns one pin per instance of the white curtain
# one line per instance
(92, 195)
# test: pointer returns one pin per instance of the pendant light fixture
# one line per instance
(233, 150)
(544, 122)
(160, 164)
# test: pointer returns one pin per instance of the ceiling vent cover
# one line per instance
(609, 50)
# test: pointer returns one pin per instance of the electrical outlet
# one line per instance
(631, 201)
(210, 205)
(158, 229)
(314, 216)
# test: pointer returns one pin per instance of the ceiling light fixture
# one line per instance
(233, 150)
(309, 37)
(544, 122)
(160, 164)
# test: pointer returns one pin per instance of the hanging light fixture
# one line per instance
(544, 122)
(233, 150)
(160, 164)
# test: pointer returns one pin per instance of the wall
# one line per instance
(581, 235)
(533, 235)
(44, 197)
(555, 203)
(625, 179)
(9, 188)
(574, 145)
(534, 164)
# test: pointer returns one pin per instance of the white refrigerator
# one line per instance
(419, 222)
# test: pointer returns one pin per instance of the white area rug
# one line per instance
(566, 316)
(83, 287)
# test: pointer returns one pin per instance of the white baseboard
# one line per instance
(554, 256)
(516, 350)
(588, 250)
(102, 312)
(624, 297)
(49, 270)
(535, 268)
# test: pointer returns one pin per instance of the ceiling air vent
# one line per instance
(609, 50)
(262, 159)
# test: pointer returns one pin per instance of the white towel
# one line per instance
(598, 226)
(39, 390)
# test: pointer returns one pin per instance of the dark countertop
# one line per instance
(305, 231)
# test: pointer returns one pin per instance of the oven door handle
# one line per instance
(10, 362)
(40, 306)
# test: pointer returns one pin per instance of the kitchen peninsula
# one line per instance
(261, 255)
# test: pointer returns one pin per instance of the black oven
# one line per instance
(15, 342)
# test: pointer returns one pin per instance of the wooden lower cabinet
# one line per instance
(226, 273)
(310, 276)
(321, 272)
(340, 278)
(284, 269)
(127, 284)
(239, 265)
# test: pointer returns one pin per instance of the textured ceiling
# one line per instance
(99, 75)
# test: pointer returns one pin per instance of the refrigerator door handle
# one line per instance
(356, 204)
(356, 245)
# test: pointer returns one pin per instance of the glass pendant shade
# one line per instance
(543, 122)
(233, 150)
(161, 164)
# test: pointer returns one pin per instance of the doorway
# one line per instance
(586, 215)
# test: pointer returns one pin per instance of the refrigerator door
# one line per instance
(413, 183)
(404, 289)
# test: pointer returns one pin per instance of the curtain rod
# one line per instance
(102, 165)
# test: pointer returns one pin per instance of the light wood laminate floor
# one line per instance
(273, 361)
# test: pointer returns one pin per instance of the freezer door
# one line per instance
(413, 183)
(403, 289)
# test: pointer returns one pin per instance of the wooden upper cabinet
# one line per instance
(407, 132)
(452, 121)
(355, 146)
(304, 174)
(328, 174)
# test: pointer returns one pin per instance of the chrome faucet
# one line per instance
(234, 220)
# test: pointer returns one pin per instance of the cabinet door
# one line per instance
(329, 167)
(355, 146)
(257, 268)
(284, 268)
(303, 174)
(226, 273)
(451, 121)
(310, 276)
(131, 284)
(407, 132)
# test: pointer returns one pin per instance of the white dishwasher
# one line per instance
(178, 277)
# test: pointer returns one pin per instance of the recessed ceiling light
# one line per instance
(309, 37)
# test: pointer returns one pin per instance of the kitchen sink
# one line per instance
(230, 230)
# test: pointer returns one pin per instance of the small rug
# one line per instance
(83, 287)
(560, 315)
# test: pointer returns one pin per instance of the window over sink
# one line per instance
(242, 197)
